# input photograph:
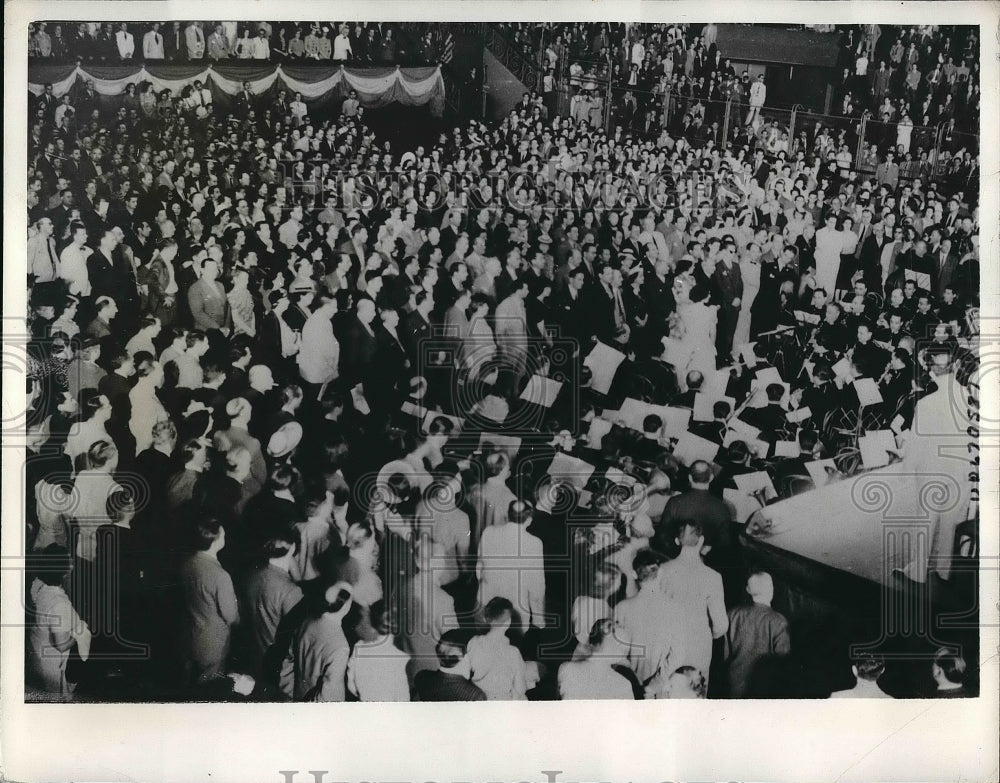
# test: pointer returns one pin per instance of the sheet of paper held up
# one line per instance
(541, 391)
(603, 362)
(570, 468)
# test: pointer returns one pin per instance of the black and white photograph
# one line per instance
(522, 361)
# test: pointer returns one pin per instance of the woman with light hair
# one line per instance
(693, 330)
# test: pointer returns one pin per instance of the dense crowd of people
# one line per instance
(315, 420)
(676, 77)
(194, 41)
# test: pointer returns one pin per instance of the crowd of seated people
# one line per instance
(196, 41)
(324, 421)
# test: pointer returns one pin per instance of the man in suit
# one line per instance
(194, 41)
(771, 417)
(360, 345)
(606, 322)
(417, 328)
(175, 43)
(728, 281)
(796, 466)
(698, 506)
(207, 299)
(43, 261)
(451, 682)
(756, 631)
(104, 278)
(390, 370)
(152, 44)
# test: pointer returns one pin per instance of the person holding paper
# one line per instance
(896, 383)
(868, 359)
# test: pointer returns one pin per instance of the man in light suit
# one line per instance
(207, 299)
(512, 330)
(43, 261)
(152, 44)
(125, 42)
(758, 94)
(194, 38)
(218, 46)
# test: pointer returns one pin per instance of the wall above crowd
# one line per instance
(319, 85)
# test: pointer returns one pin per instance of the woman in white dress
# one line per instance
(750, 272)
(829, 243)
(691, 342)
(700, 319)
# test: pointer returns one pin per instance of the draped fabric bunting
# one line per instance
(319, 86)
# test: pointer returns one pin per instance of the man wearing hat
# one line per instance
(282, 444)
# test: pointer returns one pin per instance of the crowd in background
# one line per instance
(676, 77)
(200, 41)
(276, 368)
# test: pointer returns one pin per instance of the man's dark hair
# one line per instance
(451, 648)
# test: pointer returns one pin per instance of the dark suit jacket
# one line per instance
(440, 686)
(357, 351)
(729, 282)
(103, 280)
(755, 631)
(413, 330)
(702, 506)
(601, 311)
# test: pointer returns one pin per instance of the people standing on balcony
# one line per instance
(758, 94)
(342, 45)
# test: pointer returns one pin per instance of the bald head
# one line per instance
(700, 473)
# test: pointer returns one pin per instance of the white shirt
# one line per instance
(638, 53)
(341, 47)
(377, 671)
(511, 567)
(319, 354)
(592, 679)
(758, 93)
(73, 269)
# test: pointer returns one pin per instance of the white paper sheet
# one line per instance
(570, 468)
(819, 471)
(603, 362)
(868, 391)
(786, 448)
(541, 391)
(691, 447)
